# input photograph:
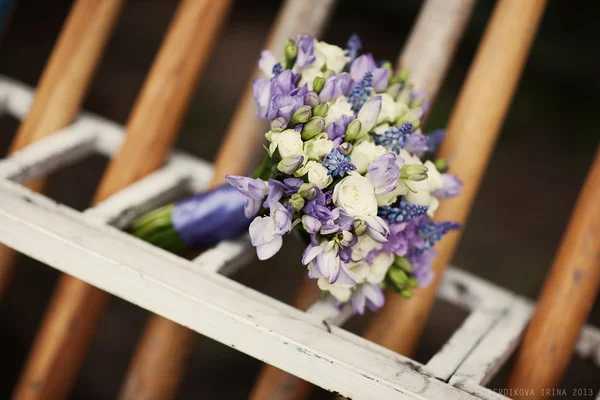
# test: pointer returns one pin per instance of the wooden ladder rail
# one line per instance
(62, 88)
(160, 360)
(474, 126)
(76, 307)
(428, 54)
(566, 298)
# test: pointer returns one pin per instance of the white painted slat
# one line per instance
(496, 347)
(207, 303)
(481, 392)
(43, 157)
(327, 310)
(472, 331)
(157, 189)
(226, 257)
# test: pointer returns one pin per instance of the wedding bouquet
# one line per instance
(344, 169)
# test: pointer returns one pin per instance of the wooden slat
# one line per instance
(428, 54)
(62, 87)
(76, 307)
(161, 358)
(472, 132)
(566, 298)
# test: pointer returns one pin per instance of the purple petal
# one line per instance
(310, 253)
(361, 66)
(369, 113)
(451, 186)
(380, 79)
(261, 90)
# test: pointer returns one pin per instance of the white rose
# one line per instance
(332, 56)
(389, 109)
(340, 291)
(316, 149)
(289, 143)
(308, 76)
(317, 174)
(363, 246)
(338, 108)
(379, 267)
(356, 195)
(365, 152)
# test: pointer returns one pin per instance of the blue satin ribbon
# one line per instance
(207, 218)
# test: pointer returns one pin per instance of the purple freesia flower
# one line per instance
(266, 232)
(384, 172)
(254, 189)
(327, 264)
(368, 115)
(338, 128)
(416, 143)
(306, 52)
(317, 208)
(339, 221)
(422, 266)
(451, 186)
(366, 63)
(377, 229)
(277, 189)
(284, 106)
(368, 295)
(311, 225)
(334, 87)
(284, 83)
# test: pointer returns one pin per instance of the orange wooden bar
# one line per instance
(62, 87)
(76, 307)
(428, 54)
(160, 361)
(566, 298)
(474, 126)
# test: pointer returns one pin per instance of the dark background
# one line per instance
(538, 167)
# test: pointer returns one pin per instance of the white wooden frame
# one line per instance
(197, 293)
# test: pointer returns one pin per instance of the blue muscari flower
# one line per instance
(337, 163)
(432, 232)
(353, 47)
(395, 138)
(402, 212)
(361, 92)
(277, 69)
(434, 139)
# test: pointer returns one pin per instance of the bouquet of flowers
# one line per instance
(344, 169)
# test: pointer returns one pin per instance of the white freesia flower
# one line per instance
(389, 109)
(266, 62)
(338, 108)
(316, 149)
(365, 152)
(379, 267)
(402, 187)
(289, 143)
(356, 195)
(317, 174)
(340, 291)
(334, 57)
(363, 246)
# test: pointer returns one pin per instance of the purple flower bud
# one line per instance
(261, 90)
(311, 99)
(289, 165)
(380, 79)
(451, 186)
(368, 115)
(345, 148)
(311, 224)
(377, 229)
(338, 128)
(416, 143)
(361, 66)
(384, 172)
(278, 124)
(306, 56)
(335, 86)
